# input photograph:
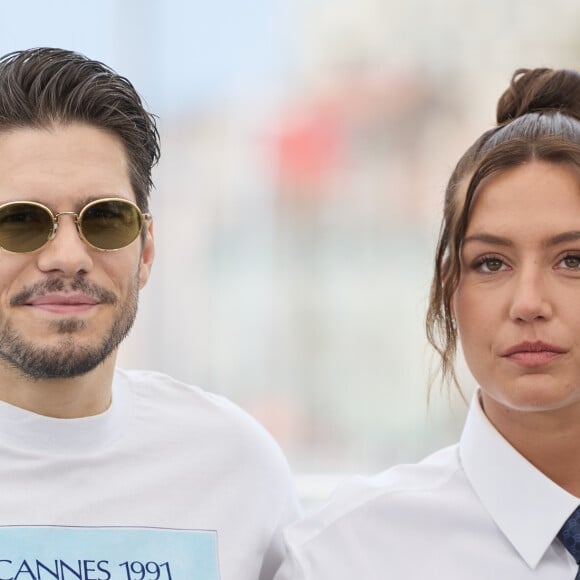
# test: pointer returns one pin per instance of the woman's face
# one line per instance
(518, 301)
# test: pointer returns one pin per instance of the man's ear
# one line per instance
(147, 255)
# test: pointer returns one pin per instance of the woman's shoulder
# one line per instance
(396, 494)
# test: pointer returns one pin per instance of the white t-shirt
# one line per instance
(170, 482)
(476, 511)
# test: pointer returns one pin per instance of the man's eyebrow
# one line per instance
(89, 198)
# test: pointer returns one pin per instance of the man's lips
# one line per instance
(533, 353)
(63, 303)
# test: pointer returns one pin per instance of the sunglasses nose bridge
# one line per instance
(56, 220)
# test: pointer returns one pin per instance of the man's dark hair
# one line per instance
(43, 87)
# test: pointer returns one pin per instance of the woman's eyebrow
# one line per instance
(571, 236)
(489, 239)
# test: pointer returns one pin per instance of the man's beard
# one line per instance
(67, 359)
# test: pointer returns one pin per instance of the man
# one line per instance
(106, 474)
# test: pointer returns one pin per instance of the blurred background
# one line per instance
(306, 145)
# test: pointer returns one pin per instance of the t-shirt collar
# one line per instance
(26, 430)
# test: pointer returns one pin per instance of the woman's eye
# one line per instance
(572, 262)
(490, 265)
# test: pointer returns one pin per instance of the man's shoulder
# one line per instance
(160, 388)
(195, 415)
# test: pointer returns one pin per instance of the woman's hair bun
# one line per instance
(540, 89)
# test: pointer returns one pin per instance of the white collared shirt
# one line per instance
(477, 510)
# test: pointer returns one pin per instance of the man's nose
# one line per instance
(66, 252)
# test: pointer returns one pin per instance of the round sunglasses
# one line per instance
(106, 224)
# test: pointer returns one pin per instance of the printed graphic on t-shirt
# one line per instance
(79, 553)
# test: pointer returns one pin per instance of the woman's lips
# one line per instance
(533, 354)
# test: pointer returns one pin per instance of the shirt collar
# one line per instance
(527, 506)
(27, 430)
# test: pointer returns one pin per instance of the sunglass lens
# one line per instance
(110, 224)
(24, 227)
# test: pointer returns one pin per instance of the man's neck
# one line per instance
(82, 396)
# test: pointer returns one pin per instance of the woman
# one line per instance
(507, 286)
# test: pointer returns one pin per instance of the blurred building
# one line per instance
(296, 227)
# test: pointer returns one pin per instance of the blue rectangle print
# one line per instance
(82, 553)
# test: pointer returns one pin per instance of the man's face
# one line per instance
(66, 307)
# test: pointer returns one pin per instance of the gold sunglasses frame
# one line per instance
(143, 217)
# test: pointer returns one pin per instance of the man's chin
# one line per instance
(70, 326)
(58, 365)
(60, 356)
